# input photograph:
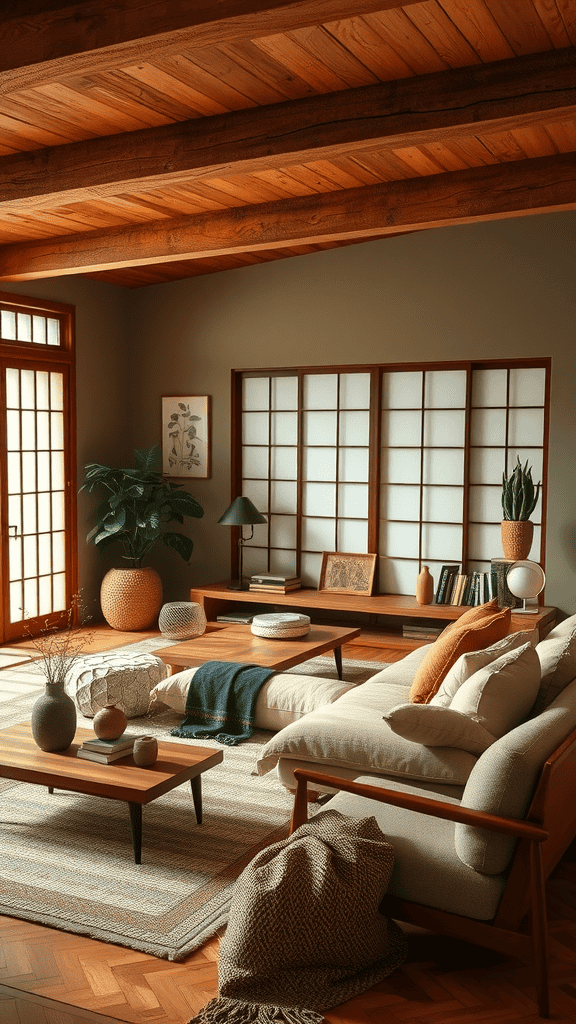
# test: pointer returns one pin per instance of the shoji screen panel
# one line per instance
(508, 418)
(305, 458)
(422, 474)
(405, 460)
(335, 466)
(270, 470)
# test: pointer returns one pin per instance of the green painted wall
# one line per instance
(499, 289)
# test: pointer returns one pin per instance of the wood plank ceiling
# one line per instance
(145, 140)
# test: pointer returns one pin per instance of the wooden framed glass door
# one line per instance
(37, 485)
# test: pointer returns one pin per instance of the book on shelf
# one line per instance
(271, 580)
(445, 581)
(124, 742)
(94, 755)
(421, 632)
(506, 598)
(243, 616)
(458, 588)
(263, 589)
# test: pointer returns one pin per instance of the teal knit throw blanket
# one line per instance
(221, 702)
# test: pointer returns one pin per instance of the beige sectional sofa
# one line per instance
(374, 730)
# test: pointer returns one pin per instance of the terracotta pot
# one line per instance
(109, 722)
(131, 598)
(516, 538)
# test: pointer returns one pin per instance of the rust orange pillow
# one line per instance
(479, 611)
(474, 614)
(473, 636)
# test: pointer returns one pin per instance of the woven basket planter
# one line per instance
(131, 598)
(516, 538)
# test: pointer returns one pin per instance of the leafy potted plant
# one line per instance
(139, 505)
(519, 497)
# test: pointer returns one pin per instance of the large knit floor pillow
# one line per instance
(472, 636)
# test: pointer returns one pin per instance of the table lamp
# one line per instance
(525, 579)
(241, 513)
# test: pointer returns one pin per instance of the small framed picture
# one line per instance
(344, 573)
(186, 436)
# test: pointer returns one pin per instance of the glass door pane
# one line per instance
(36, 495)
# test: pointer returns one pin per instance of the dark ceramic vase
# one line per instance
(53, 719)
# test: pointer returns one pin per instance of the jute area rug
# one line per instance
(66, 859)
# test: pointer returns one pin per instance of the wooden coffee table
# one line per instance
(21, 759)
(238, 644)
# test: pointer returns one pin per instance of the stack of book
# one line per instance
(106, 751)
(274, 583)
(412, 632)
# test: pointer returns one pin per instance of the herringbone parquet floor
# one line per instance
(51, 977)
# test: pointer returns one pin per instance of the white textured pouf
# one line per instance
(115, 678)
(181, 620)
(280, 625)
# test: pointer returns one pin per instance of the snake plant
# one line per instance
(519, 494)
(139, 504)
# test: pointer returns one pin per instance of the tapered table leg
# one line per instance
(136, 830)
(196, 784)
(50, 789)
(338, 660)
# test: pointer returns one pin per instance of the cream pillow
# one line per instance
(353, 737)
(557, 654)
(470, 663)
(500, 695)
(284, 697)
(436, 726)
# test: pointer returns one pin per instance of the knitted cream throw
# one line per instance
(304, 932)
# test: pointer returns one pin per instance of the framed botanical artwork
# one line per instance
(186, 436)
(344, 573)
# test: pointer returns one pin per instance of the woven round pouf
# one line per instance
(115, 677)
(180, 620)
(280, 625)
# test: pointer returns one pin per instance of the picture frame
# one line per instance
(346, 573)
(186, 441)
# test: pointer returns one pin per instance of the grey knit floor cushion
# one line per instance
(304, 932)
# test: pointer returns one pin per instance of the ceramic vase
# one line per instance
(145, 751)
(109, 722)
(516, 538)
(424, 586)
(53, 719)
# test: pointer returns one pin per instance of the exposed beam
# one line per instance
(506, 190)
(413, 112)
(45, 40)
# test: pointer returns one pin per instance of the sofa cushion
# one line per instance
(426, 867)
(284, 697)
(504, 777)
(436, 726)
(350, 733)
(500, 695)
(449, 646)
(557, 654)
(471, 662)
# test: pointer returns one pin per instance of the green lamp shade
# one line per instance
(241, 513)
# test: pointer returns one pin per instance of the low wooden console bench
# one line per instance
(380, 617)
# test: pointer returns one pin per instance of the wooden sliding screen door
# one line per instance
(38, 563)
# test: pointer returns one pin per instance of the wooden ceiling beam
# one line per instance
(48, 40)
(413, 112)
(540, 185)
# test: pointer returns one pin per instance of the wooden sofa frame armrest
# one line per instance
(425, 805)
